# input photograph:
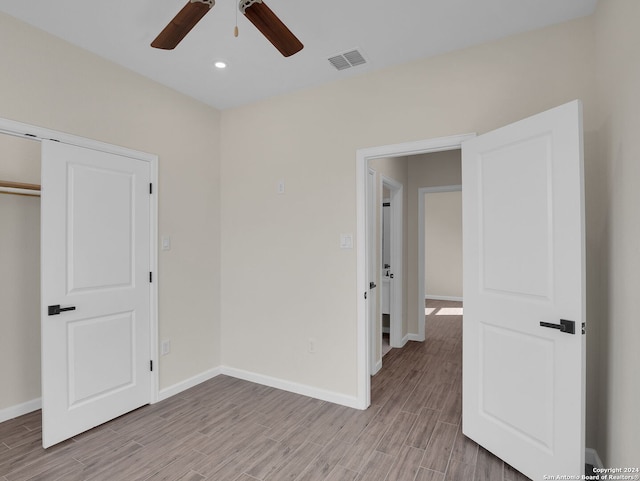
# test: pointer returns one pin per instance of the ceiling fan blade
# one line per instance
(272, 27)
(182, 23)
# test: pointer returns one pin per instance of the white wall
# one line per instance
(443, 244)
(285, 277)
(617, 230)
(47, 82)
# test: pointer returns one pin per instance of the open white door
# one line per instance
(95, 288)
(373, 321)
(523, 217)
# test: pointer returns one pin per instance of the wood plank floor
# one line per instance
(228, 429)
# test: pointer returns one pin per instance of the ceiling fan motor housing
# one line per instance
(244, 4)
(211, 3)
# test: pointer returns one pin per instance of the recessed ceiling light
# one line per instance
(220, 64)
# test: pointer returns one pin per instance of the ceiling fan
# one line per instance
(255, 10)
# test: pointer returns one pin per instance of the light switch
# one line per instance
(346, 241)
(166, 243)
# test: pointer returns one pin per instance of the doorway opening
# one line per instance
(439, 248)
(365, 326)
(523, 261)
(25, 143)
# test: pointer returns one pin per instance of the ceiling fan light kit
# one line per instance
(255, 10)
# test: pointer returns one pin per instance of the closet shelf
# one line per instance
(19, 188)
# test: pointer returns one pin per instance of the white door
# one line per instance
(385, 275)
(95, 268)
(523, 244)
(395, 286)
(375, 323)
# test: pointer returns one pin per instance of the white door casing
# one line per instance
(523, 217)
(96, 257)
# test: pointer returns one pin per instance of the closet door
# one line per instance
(95, 288)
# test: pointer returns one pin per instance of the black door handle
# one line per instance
(565, 326)
(55, 310)
(391, 276)
(372, 285)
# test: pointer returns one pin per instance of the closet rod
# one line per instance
(19, 188)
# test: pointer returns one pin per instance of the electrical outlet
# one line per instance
(165, 348)
(312, 345)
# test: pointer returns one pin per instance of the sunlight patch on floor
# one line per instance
(443, 311)
(449, 311)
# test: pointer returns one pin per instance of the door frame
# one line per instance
(422, 251)
(363, 331)
(32, 132)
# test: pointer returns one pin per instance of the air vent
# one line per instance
(345, 60)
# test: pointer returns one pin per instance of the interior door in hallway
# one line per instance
(95, 270)
(524, 304)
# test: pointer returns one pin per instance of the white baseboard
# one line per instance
(35, 404)
(317, 393)
(377, 367)
(591, 457)
(305, 390)
(188, 383)
(442, 298)
(20, 409)
(414, 337)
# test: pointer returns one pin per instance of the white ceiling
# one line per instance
(386, 32)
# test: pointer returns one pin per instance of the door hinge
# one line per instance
(365, 295)
(150, 276)
(151, 366)
(150, 188)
